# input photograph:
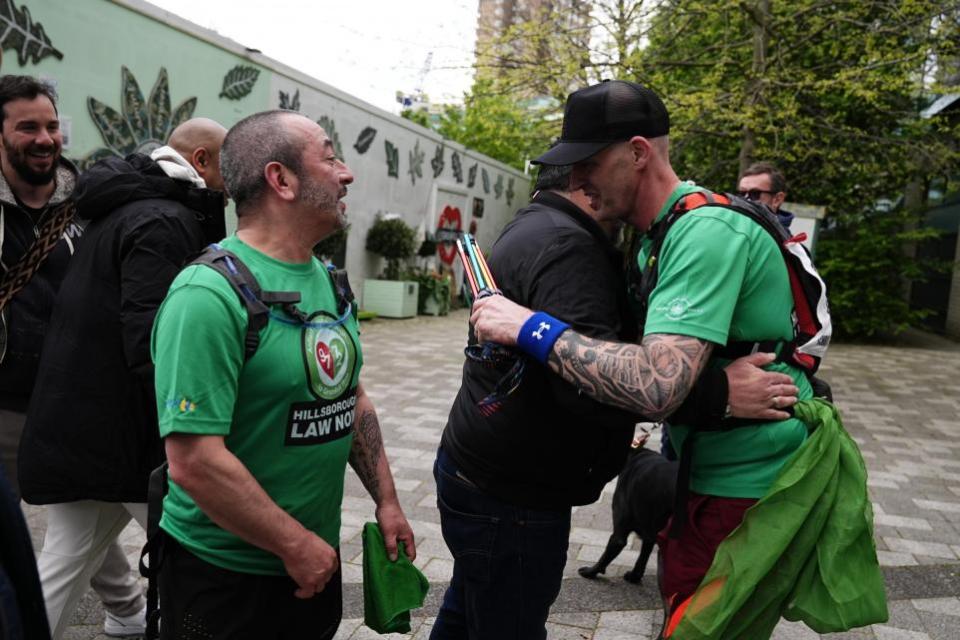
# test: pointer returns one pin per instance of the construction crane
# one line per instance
(417, 98)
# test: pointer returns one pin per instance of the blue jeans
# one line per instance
(507, 562)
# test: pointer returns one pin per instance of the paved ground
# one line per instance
(901, 403)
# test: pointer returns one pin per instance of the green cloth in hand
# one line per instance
(390, 589)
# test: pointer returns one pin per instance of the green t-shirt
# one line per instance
(722, 278)
(287, 413)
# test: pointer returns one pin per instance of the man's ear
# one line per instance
(640, 151)
(778, 199)
(200, 159)
(281, 181)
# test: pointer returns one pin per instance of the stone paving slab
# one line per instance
(901, 404)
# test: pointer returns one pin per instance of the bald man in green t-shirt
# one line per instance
(721, 279)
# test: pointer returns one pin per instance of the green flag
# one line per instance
(805, 551)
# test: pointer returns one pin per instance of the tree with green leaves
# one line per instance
(494, 123)
(832, 92)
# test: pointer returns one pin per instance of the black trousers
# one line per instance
(201, 601)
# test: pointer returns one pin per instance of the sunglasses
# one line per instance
(754, 194)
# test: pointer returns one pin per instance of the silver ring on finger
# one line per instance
(776, 401)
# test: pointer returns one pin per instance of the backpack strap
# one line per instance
(254, 299)
(153, 550)
(344, 292)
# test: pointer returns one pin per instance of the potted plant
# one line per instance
(389, 296)
(434, 296)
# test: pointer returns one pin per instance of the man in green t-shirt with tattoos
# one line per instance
(721, 279)
(258, 446)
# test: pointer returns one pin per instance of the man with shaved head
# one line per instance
(258, 443)
(90, 440)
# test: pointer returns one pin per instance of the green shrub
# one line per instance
(866, 268)
(394, 240)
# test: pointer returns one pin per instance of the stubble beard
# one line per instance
(322, 201)
(17, 157)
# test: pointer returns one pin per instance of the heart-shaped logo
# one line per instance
(325, 359)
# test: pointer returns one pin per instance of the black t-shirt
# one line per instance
(548, 446)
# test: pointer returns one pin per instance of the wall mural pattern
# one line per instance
(437, 162)
(239, 81)
(485, 178)
(364, 140)
(456, 167)
(290, 103)
(510, 192)
(498, 186)
(143, 125)
(393, 159)
(472, 176)
(20, 32)
(416, 157)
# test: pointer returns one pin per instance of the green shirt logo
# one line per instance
(330, 356)
(678, 308)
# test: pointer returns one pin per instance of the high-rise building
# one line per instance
(495, 17)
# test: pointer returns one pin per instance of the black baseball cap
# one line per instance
(605, 113)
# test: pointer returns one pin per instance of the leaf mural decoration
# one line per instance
(416, 163)
(510, 192)
(134, 106)
(113, 127)
(393, 159)
(498, 186)
(456, 167)
(182, 113)
(288, 103)
(20, 32)
(238, 82)
(143, 126)
(331, 128)
(365, 139)
(159, 107)
(486, 180)
(472, 176)
(437, 162)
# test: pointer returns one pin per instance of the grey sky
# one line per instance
(370, 48)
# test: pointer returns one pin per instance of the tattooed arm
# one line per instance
(369, 461)
(651, 378)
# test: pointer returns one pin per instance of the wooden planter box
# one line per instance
(391, 298)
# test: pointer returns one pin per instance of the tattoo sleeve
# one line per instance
(367, 450)
(650, 379)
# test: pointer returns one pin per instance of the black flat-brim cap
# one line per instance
(603, 114)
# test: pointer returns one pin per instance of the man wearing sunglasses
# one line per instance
(762, 182)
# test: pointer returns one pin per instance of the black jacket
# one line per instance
(23, 323)
(549, 446)
(91, 430)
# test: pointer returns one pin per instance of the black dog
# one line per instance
(642, 503)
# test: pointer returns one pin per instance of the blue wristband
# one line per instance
(538, 334)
